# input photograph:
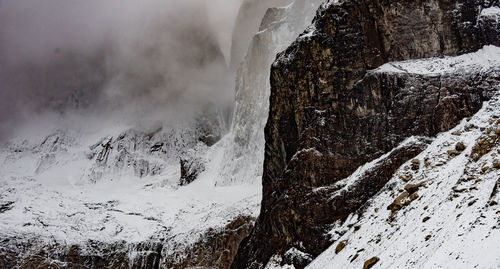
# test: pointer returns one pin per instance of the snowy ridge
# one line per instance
(483, 60)
(456, 208)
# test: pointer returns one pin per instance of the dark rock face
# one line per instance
(329, 114)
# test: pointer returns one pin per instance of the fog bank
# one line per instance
(152, 59)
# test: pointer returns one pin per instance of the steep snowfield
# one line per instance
(453, 219)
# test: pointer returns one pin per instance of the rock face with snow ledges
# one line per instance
(331, 114)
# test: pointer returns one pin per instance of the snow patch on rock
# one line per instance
(483, 60)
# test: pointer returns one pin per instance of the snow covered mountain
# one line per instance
(117, 194)
(367, 138)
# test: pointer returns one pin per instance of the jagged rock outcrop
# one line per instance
(148, 152)
(329, 114)
(22, 254)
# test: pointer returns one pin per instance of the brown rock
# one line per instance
(406, 177)
(426, 219)
(371, 262)
(484, 144)
(453, 153)
(340, 246)
(411, 188)
(415, 164)
(460, 146)
(496, 164)
(428, 237)
(469, 127)
(355, 256)
(396, 204)
(455, 189)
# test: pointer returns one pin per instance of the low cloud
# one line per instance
(137, 59)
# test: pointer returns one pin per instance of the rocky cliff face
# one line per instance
(329, 114)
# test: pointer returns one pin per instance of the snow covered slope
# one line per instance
(50, 190)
